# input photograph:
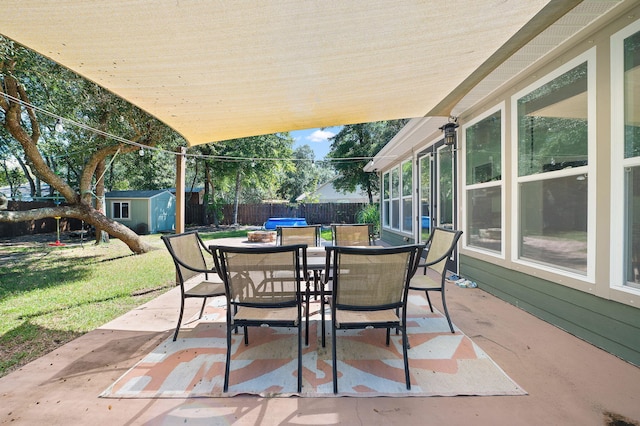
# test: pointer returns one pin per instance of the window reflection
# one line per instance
(632, 95)
(632, 149)
(633, 221)
(484, 216)
(552, 125)
(553, 222)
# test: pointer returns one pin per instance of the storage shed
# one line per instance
(145, 212)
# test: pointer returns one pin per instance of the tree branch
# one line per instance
(83, 212)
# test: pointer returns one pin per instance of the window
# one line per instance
(120, 210)
(397, 197)
(385, 200)
(445, 186)
(625, 157)
(483, 182)
(407, 196)
(425, 197)
(553, 168)
(632, 150)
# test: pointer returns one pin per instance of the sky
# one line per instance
(317, 139)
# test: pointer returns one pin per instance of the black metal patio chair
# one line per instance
(195, 278)
(370, 287)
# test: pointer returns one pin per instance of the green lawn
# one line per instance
(51, 295)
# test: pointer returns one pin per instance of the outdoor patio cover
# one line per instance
(217, 70)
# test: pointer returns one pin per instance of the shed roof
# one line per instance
(136, 193)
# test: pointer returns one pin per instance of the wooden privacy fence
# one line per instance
(257, 214)
(40, 226)
(248, 214)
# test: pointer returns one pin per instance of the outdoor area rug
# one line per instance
(440, 363)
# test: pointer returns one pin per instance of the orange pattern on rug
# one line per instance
(441, 363)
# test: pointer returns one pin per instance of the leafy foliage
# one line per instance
(370, 214)
(302, 176)
(360, 142)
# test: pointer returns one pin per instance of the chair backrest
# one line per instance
(440, 247)
(268, 277)
(357, 234)
(288, 235)
(372, 278)
(186, 249)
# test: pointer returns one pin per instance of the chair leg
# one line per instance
(228, 363)
(389, 336)
(235, 329)
(428, 300)
(175, 335)
(306, 309)
(322, 317)
(446, 311)
(334, 356)
(204, 303)
(315, 285)
(300, 352)
(398, 315)
(235, 311)
(405, 346)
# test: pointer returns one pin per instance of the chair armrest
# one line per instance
(203, 245)
(191, 268)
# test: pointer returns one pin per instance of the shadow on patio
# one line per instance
(568, 380)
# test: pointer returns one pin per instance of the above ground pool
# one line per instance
(273, 222)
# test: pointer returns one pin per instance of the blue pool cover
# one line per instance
(273, 222)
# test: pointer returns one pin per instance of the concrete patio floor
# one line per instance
(569, 381)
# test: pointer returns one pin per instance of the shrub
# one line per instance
(370, 214)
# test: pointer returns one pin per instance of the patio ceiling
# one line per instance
(216, 70)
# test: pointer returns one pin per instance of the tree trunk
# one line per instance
(28, 175)
(369, 192)
(79, 204)
(206, 200)
(216, 218)
(101, 235)
(236, 198)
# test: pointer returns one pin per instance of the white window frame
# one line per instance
(465, 188)
(421, 158)
(404, 197)
(113, 209)
(438, 159)
(386, 199)
(618, 162)
(393, 198)
(400, 198)
(590, 58)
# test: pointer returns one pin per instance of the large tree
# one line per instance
(255, 165)
(34, 91)
(301, 176)
(353, 147)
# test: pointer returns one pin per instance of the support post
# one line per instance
(181, 164)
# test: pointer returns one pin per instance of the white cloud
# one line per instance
(320, 136)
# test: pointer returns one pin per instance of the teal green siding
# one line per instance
(149, 211)
(610, 325)
(393, 239)
(139, 214)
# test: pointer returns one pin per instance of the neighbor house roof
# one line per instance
(221, 70)
(327, 193)
(135, 193)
